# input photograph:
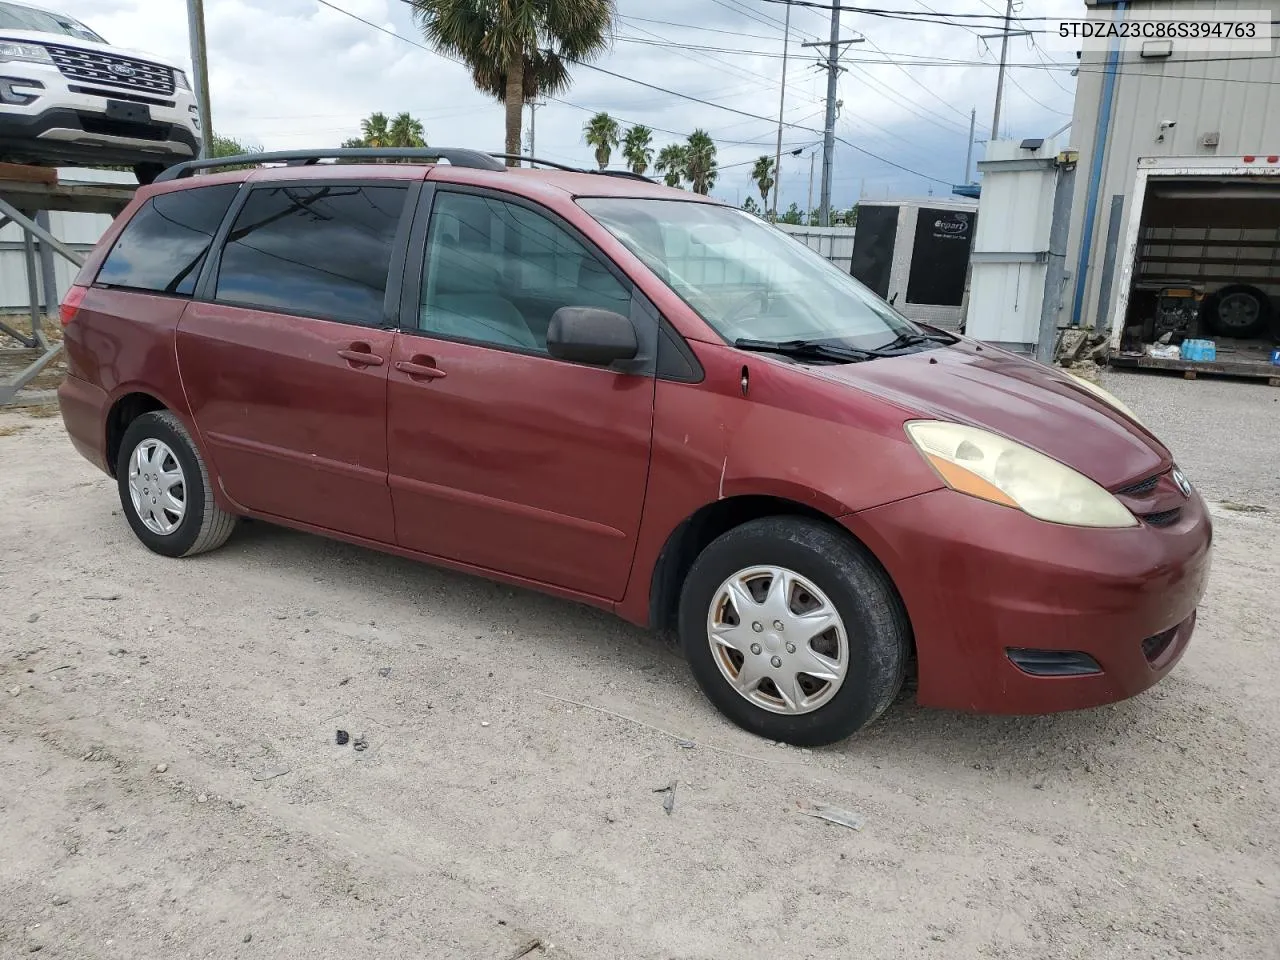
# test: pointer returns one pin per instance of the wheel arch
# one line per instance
(691, 536)
(123, 411)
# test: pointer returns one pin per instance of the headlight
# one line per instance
(995, 468)
(180, 80)
(1107, 397)
(12, 50)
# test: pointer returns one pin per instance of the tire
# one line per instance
(871, 618)
(201, 525)
(1239, 310)
(147, 171)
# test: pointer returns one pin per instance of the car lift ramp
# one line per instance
(27, 195)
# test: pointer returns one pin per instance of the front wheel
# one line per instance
(165, 489)
(794, 631)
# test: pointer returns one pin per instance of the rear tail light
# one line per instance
(71, 304)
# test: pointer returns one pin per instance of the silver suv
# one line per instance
(67, 96)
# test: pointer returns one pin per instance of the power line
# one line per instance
(756, 116)
(911, 106)
(914, 80)
(691, 26)
(904, 14)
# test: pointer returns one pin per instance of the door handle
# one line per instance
(420, 368)
(361, 355)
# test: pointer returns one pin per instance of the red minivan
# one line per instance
(639, 399)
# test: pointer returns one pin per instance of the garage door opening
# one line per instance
(1202, 263)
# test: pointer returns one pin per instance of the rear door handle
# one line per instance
(361, 358)
(420, 371)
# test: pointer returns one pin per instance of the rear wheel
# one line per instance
(1238, 311)
(165, 489)
(793, 630)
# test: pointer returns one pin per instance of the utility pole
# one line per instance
(1004, 59)
(832, 65)
(782, 103)
(1004, 35)
(968, 154)
(200, 68)
(533, 127)
(829, 131)
(809, 207)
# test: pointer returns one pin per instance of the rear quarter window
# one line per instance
(163, 247)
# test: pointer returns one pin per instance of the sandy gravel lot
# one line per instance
(143, 701)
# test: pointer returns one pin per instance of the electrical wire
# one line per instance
(755, 116)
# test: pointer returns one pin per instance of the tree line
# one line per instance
(691, 164)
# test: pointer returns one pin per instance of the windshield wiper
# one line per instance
(910, 338)
(815, 349)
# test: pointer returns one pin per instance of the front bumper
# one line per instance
(64, 121)
(981, 580)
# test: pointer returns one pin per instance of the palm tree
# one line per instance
(602, 132)
(518, 50)
(636, 148)
(762, 174)
(375, 131)
(700, 162)
(406, 131)
(671, 164)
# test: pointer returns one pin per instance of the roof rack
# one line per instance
(626, 174)
(457, 157)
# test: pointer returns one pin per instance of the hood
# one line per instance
(1017, 398)
(58, 39)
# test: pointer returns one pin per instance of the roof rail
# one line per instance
(457, 157)
(542, 163)
(626, 174)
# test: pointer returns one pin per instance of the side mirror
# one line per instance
(591, 335)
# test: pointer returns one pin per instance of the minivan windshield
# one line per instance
(15, 17)
(749, 280)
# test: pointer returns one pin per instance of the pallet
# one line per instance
(1190, 369)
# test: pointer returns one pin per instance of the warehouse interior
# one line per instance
(1206, 266)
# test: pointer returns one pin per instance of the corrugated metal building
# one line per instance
(1166, 100)
(80, 230)
(834, 243)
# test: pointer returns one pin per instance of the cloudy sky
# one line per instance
(298, 73)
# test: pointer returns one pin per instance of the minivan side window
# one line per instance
(319, 251)
(163, 246)
(495, 272)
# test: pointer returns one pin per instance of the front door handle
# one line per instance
(420, 368)
(361, 355)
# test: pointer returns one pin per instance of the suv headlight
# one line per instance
(1107, 397)
(32, 52)
(994, 468)
(180, 80)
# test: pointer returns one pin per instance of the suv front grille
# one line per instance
(109, 69)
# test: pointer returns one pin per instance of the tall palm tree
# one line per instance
(517, 50)
(762, 174)
(671, 164)
(636, 148)
(375, 130)
(407, 131)
(700, 162)
(602, 132)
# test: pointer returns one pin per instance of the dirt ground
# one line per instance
(170, 783)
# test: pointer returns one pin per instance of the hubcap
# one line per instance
(778, 640)
(1238, 310)
(157, 487)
